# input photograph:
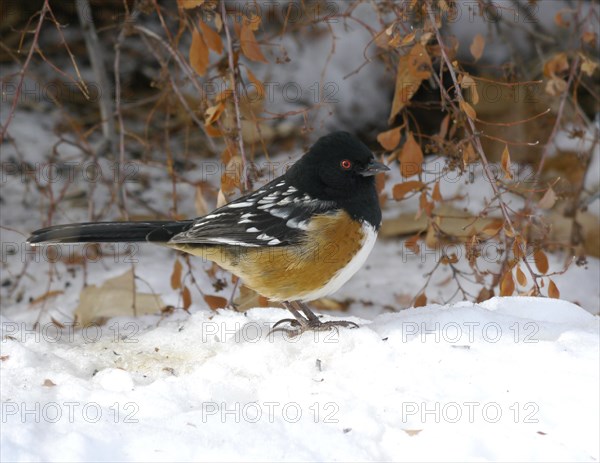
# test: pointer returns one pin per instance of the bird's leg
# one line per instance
(309, 322)
(295, 322)
(309, 313)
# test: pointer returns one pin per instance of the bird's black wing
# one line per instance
(276, 214)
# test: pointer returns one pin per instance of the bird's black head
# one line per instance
(341, 168)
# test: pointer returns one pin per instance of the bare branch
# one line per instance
(23, 70)
(236, 99)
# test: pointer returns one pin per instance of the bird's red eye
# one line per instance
(346, 164)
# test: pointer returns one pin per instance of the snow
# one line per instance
(510, 379)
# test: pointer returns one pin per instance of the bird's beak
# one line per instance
(373, 168)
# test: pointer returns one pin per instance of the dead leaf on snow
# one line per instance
(114, 298)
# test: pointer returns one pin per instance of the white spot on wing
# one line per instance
(264, 236)
(219, 241)
(280, 213)
(295, 223)
(284, 201)
(252, 230)
(273, 242)
(238, 205)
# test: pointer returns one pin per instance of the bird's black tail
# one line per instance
(110, 232)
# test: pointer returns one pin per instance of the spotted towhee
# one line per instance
(298, 238)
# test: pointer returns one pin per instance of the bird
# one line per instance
(298, 238)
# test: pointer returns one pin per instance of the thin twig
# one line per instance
(174, 86)
(236, 99)
(185, 67)
(561, 107)
(96, 55)
(105, 94)
(23, 70)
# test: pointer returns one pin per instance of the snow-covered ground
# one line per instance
(512, 379)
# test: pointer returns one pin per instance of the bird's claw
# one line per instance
(298, 327)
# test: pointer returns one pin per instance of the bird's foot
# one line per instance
(298, 326)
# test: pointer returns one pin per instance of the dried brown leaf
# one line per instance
(587, 65)
(115, 297)
(212, 38)
(548, 200)
(213, 113)
(389, 139)
(436, 195)
(408, 38)
(400, 190)
(505, 163)
(468, 83)
(186, 297)
(231, 177)
(215, 302)
(477, 46)
(485, 294)
(198, 53)
(411, 157)
(451, 259)
(425, 205)
(260, 88)
(250, 47)
(176, 275)
(541, 261)
(468, 110)
(553, 291)
(521, 278)
(420, 300)
(469, 155)
(47, 295)
(212, 131)
(221, 199)
(412, 243)
(493, 227)
(555, 65)
(507, 284)
(556, 86)
(517, 250)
